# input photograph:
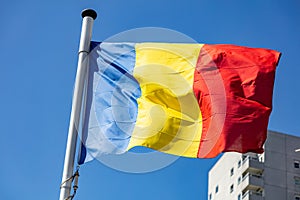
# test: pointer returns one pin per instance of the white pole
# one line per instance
(88, 16)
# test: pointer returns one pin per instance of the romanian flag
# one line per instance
(191, 100)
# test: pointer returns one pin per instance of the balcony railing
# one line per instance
(252, 164)
(252, 182)
(252, 195)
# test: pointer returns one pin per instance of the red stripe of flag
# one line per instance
(234, 88)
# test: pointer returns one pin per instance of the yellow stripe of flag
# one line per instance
(167, 108)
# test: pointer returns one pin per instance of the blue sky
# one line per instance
(39, 42)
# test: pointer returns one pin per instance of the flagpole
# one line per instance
(88, 17)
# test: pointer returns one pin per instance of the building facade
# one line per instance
(273, 175)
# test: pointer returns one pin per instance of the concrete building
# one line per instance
(273, 175)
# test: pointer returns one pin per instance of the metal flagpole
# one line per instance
(88, 17)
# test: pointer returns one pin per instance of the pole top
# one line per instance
(89, 13)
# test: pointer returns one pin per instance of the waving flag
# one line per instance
(192, 100)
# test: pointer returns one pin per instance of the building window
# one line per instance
(231, 172)
(217, 189)
(239, 180)
(296, 164)
(244, 157)
(297, 180)
(210, 196)
(231, 188)
(239, 163)
(239, 197)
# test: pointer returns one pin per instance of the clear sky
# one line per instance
(39, 42)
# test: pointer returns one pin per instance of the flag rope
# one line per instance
(74, 180)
